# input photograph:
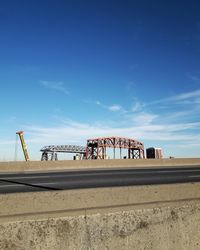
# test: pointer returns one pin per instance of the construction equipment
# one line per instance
(23, 144)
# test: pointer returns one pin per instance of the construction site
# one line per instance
(101, 148)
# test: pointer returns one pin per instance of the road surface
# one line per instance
(76, 179)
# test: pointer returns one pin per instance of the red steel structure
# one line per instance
(96, 148)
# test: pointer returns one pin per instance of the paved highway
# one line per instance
(60, 180)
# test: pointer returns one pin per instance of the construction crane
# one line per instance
(23, 144)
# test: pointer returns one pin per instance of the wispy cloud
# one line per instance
(144, 118)
(115, 108)
(100, 104)
(160, 111)
(185, 96)
(191, 97)
(112, 108)
(59, 86)
(77, 132)
(137, 106)
(182, 98)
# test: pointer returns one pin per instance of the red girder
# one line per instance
(96, 147)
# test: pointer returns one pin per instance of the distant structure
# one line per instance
(50, 152)
(154, 153)
(101, 148)
(96, 148)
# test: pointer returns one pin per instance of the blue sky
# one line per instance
(72, 70)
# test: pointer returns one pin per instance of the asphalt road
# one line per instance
(61, 180)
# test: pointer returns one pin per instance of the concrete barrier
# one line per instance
(62, 165)
(157, 217)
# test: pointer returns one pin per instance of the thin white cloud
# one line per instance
(59, 86)
(115, 108)
(78, 132)
(144, 118)
(137, 106)
(183, 98)
(140, 114)
(98, 103)
(112, 108)
(178, 115)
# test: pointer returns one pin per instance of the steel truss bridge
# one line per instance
(50, 152)
(96, 148)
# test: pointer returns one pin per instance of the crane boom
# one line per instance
(23, 144)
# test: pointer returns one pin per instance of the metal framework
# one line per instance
(52, 151)
(96, 148)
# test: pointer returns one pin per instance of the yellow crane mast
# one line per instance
(23, 144)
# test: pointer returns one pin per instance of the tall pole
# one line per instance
(23, 144)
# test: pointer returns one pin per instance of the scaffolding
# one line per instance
(96, 148)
